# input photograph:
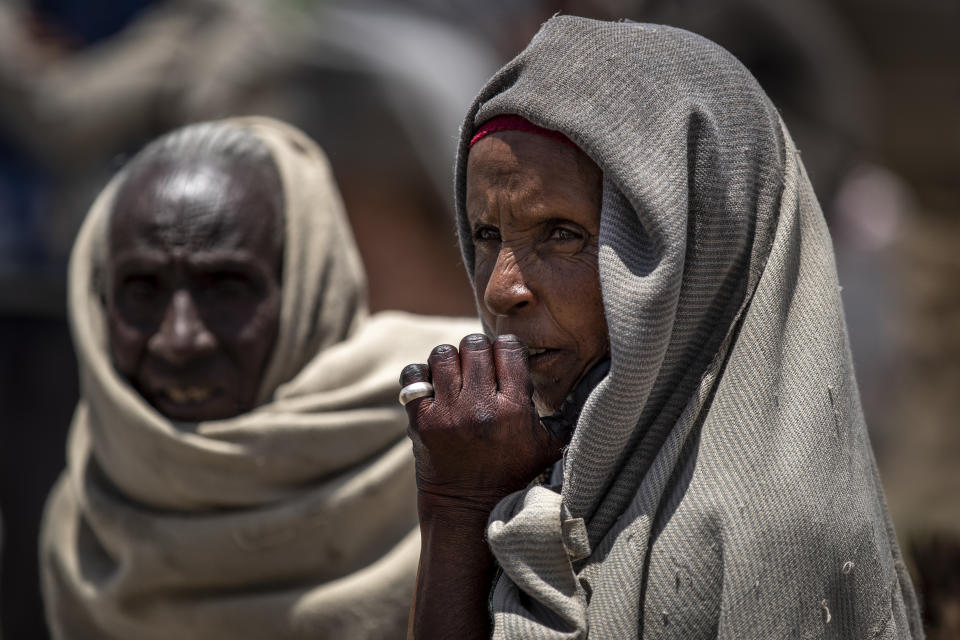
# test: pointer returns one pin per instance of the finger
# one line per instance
(444, 362)
(476, 364)
(414, 373)
(510, 359)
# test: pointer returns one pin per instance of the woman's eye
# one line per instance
(564, 234)
(486, 234)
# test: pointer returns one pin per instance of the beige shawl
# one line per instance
(296, 520)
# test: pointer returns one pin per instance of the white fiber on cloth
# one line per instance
(295, 520)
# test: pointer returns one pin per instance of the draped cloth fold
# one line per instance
(720, 480)
(295, 520)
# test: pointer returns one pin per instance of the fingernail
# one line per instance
(410, 370)
(475, 340)
(413, 373)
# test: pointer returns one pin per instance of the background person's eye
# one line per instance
(140, 288)
(229, 285)
(140, 300)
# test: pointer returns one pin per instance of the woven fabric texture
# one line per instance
(720, 481)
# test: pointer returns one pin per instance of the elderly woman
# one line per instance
(238, 466)
(628, 198)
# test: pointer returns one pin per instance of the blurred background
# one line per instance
(870, 90)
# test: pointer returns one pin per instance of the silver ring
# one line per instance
(415, 390)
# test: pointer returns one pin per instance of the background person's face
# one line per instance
(534, 209)
(195, 256)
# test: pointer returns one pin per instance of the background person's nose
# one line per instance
(507, 290)
(182, 335)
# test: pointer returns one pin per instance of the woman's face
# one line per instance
(533, 205)
(193, 311)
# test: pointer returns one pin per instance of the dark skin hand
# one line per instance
(484, 390)
(534, 208)
(194, 265)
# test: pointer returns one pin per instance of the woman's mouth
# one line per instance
(541, 357)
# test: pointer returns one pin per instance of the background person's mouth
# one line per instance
(188, 395)
(189, 402)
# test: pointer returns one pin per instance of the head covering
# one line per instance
(295, 520)
(720, 480)
(516, 123)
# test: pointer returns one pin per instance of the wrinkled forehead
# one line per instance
(531, 174)
(198, 204)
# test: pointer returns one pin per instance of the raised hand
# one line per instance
(478, 438)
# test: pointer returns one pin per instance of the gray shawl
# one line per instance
(720, 481)
(295, 520)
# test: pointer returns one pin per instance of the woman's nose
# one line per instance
(182, 335)
(507, 289)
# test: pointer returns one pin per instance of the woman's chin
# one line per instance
(550, 388)
(542, 410)
(547, 404)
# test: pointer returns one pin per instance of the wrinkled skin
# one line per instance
(534, 210)
(194, 268)
(533, 205)
(481, 421)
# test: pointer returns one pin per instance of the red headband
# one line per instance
(512, 122)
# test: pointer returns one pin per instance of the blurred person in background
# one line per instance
(363, 79)
(381, 87)
(237, 464)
